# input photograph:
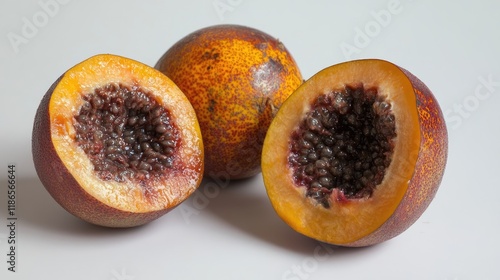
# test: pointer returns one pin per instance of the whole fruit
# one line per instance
(356, 154)
(236, 78)
(116, 143)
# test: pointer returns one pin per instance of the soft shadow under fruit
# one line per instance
(356, 154)
(116, 143)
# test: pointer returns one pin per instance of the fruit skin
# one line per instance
(236, 78)
(429, 168)
(61, 181)
(414, 179)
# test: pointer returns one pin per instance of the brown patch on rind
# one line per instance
(431, 160)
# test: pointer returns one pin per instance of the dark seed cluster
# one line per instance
(344, 142)
(126, 134)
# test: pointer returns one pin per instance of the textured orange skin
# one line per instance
(236, 78)
(65, 189)
(429, 167)
(425, 172)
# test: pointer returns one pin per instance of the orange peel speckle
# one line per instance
(236, 77)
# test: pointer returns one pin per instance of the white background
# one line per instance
(453, 46)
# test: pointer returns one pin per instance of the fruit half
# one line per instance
(356, 154)
(116, 143)
(236, 78)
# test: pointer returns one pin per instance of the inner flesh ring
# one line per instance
(344, 142)
(126, 133)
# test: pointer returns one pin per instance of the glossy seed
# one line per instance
(145, 146)
(168, 143)
(114, 126)
(343, 142)
(144, 166)
(132, 120)
(157, 111)
(156, 146)
(326, 181)
(161, 128)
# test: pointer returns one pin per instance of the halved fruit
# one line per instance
(236, 77)
(116, 143)
(356, 154)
